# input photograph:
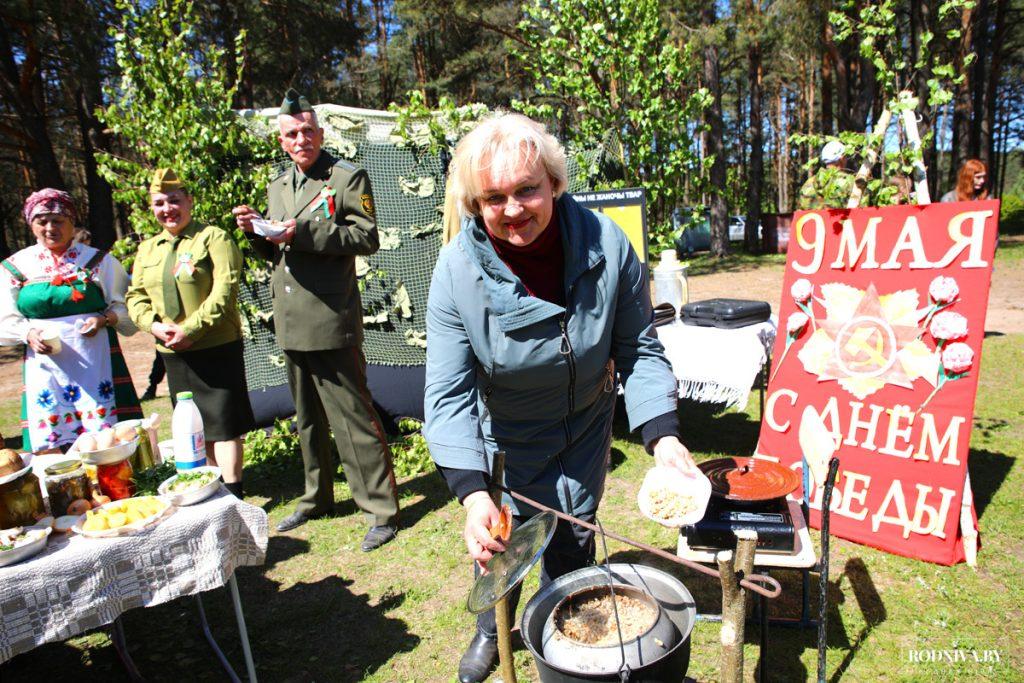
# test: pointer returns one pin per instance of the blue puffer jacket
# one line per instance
(509, 371)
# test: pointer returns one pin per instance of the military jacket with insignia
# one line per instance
(314, 286)
(206, 276)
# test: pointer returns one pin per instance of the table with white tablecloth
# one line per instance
(715, 365)
(78, 583)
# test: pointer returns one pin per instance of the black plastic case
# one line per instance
(726, 313)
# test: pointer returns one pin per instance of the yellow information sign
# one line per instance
(627, 207)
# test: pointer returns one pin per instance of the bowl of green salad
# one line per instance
(191, 486)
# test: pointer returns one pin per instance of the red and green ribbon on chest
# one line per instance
(185, 264)
(325, 201)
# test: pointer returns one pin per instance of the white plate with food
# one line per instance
(191, 486)
(13, 464)
(22, 543)
(122, 517)
(674, 498)
(107, 446)
(267, 228)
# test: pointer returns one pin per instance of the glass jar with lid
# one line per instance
(116, 479)
(66, 482)
(21, 499)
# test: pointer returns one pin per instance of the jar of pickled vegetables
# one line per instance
(116, 479)
(66, 482)
(143, 458)
(21, 500)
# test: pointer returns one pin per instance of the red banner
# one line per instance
(877, 360)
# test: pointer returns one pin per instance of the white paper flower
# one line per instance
(802, 290)
(948, 325)
(942, 290)
(796, 322)
(957, 357)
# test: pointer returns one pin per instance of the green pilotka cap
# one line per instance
(165, 180)
(294, 103)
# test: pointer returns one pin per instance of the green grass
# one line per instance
(1011, 249)
(738, 260)
(319, 609)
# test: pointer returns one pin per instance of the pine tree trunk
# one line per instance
(962, 113)
(782, 127)
(756, 136)
(979, 75)
(100, 222)
(383, 67)
(713, 142)
(842, 80)
(21, 86)
(995, 73)
(826, 76)
(920, 21)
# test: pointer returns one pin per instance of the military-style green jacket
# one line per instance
(314, 286)
(209, 265)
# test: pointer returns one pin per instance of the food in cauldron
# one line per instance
(591, 620)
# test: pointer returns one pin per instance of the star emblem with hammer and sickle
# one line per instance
(865, 348)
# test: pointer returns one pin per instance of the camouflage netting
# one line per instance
(408, 187)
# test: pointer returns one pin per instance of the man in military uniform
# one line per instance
(325, 206)
(829, 186)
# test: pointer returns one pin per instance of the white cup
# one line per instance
(165, 450)
(50, 335)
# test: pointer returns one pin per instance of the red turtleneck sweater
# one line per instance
(540, 265)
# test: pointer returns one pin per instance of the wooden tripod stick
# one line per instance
(501, 615)
(732, 567)
(914, 139)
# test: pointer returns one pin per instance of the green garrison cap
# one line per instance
(294, 103)
(165, 180)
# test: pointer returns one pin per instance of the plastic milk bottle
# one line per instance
(187, 434)
(670, 281)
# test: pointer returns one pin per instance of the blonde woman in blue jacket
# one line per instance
(537, 308)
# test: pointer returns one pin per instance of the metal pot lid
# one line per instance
(749, 479)
(506, 570)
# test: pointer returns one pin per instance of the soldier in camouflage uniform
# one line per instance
(830, 185)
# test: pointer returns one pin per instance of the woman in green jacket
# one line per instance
(184, 291)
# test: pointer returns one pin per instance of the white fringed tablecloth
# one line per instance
(717, 365)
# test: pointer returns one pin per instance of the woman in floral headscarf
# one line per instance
(56, 297)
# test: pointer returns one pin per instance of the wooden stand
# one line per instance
(860, 181)
(871, 156)
(914, 139)
(732, 567)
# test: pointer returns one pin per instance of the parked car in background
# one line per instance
(693, 228)
(738, 227)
